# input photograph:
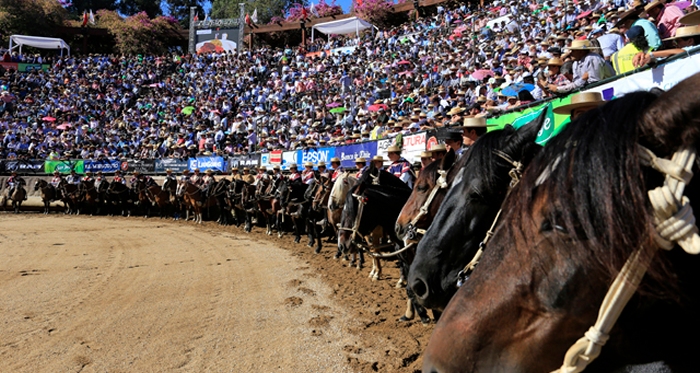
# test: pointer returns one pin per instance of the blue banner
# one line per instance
(207, 163)
(348, 153)
(316, 155)
(104, 165)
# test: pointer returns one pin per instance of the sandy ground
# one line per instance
(99, 294)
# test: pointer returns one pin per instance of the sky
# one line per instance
(345, 4)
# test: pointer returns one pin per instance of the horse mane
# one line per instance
(482, 159)
(594, 185)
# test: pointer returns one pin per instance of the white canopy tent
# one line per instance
(38, 42)
(342, 27)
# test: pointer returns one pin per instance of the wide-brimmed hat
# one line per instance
(262, 168)
(393, 149)
(438, 148)
(335, 160)
(321, 164)
(246, 169)
(555, 61)
(308, 164)
(360, 160)
(276, 167)
(185, 172)
(582, 45)
(686, 32)
(293, 165)
(426, 154)
(474, 122)
(581, 100)
(378, 158)
(653, 5)
(455, 111)
(692, 18)
(209, 172)
(627, 15)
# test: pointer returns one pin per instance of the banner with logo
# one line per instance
(104, 165)
(276, 157)
(431, 139)
(64, 167)
(265, 160)
(177, 165)
(348, 153)
(141, 165)
(413, 145)
(289, 158)
(207, 163)
(240, 161)
(22, 166)
(316, 155)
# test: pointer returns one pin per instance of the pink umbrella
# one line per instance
(404, 62)
(376, 107)
(481, 74)
(407, 72)
(64, 126)
(584, 14)
(333, 105)
(48, 119)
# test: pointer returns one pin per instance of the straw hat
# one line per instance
(455, 111)
(686, 32)
(360, 160)
(691, 18)
(426, 154)
(335, 160)
(555, 61)
(474, 122)
(276, 167)
(583, 45)
(438, 148)
(581, 100)
(293, 165)
(393, 149)
(308, 164)
(262, 168)
(209, 172)
(378, 158)
(652, 5)
(234, 169)
(321, 164)
(246, 169)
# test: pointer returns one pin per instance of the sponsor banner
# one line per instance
(413, 145)
(177, 165)
(240, 161)
(104, 165)
(276, 157)
(141, 165)
(316, 155)
(431, 139)
(343, 50)
(349, 153)
(24, 67)
(289, 158)
(207, 163)
(64, 167)
(22, 166)
(382, 146)
(265, 160)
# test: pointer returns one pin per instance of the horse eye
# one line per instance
(548, 226)
(422, 188)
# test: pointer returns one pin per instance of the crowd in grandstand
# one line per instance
(431, 73)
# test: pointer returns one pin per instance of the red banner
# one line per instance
(276, 157)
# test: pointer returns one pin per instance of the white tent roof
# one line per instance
(343, 26)
(38, 42)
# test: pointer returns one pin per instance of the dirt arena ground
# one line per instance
(100, 294)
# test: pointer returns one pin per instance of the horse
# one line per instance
(585, 216)
(417, 214)
(121, 198)
(235, 201)
(294, 202)
(161, 196)
(90, 195)
(103, 197)
(219, 191)
(268, 204)
(48, 193)
(140, 191)
(193, 197)
(336, 199)
(17, 197)
(470, 206)
(71, 196)
(248, 204)
(318, 222)
(369, 216)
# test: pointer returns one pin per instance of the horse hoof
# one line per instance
(404, 319)
(425, 321)
(297, 240)
(279, 235)
(318, 250)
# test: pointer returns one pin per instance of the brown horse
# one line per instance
(48, 193)
(71, 196)
(90, 198)
(194, 198)
(17, 197)
(581, 211)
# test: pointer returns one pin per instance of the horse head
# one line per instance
(580, 212)
(340, 188)
(468, 210)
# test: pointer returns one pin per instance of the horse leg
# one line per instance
(319, 244)
(280, 219)
(409, 313)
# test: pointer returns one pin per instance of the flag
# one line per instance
(254, 18)
(196, 16)
(546, 116)
(359, 2)
(92, 17)
(85, 18)
(206, 17)
(304, 13)
(313, 10)
(247, 19)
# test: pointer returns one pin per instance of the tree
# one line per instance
(131, 7)
(223, 9)
(139, 33)
(77, 7)
(180, 9)
(30, 17)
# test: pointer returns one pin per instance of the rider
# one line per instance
(262, 174)
(294, 172)
(322, 171)
(196, 179)
(378, 161)
(426, 158)
(118, 177)
(235, 175)
(100, 177)
(12, 183)
(135, 176)
(207, 181)
(400, 167)
(438, 151)
(168, 175)
(277, 173)
(88, 177)
(336, 168)
(247, 177)
(361, 164)
(308, 175)
(57, 179)
(73, 178)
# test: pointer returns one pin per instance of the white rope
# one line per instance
(675, 223)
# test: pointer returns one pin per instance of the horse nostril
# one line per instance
(420, 288)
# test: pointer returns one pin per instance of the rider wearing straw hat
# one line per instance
(168, 175)
(580, 103)
(185, 177)
(308, 175)
(378, 162)
(294, 172)
(336, 168)
(235, 175)
(196, 179)
(207, 181)
(400, 167)
(118, 177)
(322, 171)
(57, 179)
(12, 183)
(277, 172)
(88, 177)
(361, 164)
(247, 176)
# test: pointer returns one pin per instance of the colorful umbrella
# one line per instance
(187, 110)
(64, 126)
(333, 104)
(481, 74)
(48, 119)
(376, 107)
(404, 62)
(514, 89)
(338, 110)
(584, 14)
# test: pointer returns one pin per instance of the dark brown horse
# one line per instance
(71, 196)
(90, 200)
(17, 197)
(48, 193)
(194, 199)
(580, 212)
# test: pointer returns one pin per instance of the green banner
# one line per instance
(521, 118)
(64, 167)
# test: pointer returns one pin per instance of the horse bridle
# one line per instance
(515, 174)
(414, 233)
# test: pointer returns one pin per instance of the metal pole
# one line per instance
(191, 44)
(241, 28)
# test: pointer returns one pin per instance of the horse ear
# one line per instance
(522, 142)
(448, 160)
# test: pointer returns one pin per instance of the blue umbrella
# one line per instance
(514, 89)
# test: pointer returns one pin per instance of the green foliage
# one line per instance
(129, 7)
(266, 8)
(78, 6)
(139, 33)
(180, 9)
(223, 9)
(30, 17)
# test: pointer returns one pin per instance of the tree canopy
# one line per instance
(180, 9)
(30, 17)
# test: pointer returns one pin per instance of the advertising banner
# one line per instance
(22, 166)
(265, 160)
(413, 145)
(104, 165)
(141, 165)
(431, 139)
(382, 146)
(207, 163)
(289, 158)
(276, 157)
(177, 165)
(240, 161)
(343, 50)
(349, 153)
(316, 155)
(216, 40)
(64, 167)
